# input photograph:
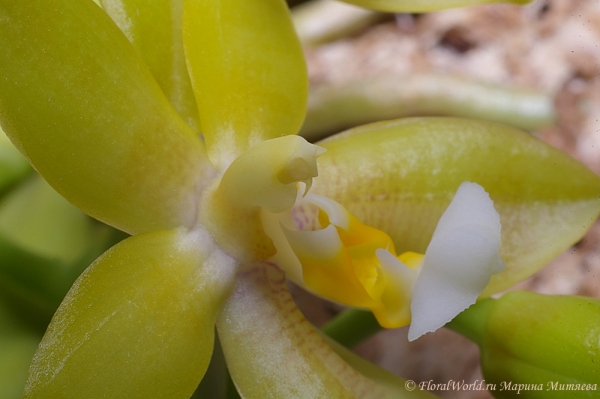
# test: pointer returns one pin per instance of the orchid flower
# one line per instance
(175, 123)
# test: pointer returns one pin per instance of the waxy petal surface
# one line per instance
(459, 261)
(79, 102)
(139, 323)
(423, 5)
(273, 352)
(155, 31)
(405, 173)
(248, 73)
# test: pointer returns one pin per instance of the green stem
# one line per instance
(351, 327)
(217, 382)
(232, 392)
(336, 106)
(471, 322)
(322, 21)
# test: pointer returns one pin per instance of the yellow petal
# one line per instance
(138, 323)
(325, 249)
(327, 268)
(80, 103)
(399, 275)
(248, 73)
(155, 31)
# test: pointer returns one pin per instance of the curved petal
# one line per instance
(323, 248)
(155, 31)
(248, 73)
(459, 261)
(78, 101)
(414, 166)
(141, 317)
(423, 5)
(401, 273)
(273, 352)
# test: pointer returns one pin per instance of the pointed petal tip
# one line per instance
(421, 326)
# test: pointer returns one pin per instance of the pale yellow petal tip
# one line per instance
(268, 174)
(459, 262)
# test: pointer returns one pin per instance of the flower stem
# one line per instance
(322, 21)
(336, 106)
(471, 322)
(351, 327)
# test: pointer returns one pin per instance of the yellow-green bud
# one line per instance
(536, 346)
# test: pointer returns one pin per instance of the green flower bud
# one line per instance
(536, 346)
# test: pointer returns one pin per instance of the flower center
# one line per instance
(265, 177)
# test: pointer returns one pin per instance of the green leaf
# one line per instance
(399, 176)
(155, 31)
(248, 73)
(424, 5)
(17, 346)
(80, 103)
(337, 106)
(273, 352)
(139, 323)
(13, 165)
(45, 243)
(38, 219)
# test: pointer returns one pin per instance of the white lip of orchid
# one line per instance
(461, 258)
(459, 262)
